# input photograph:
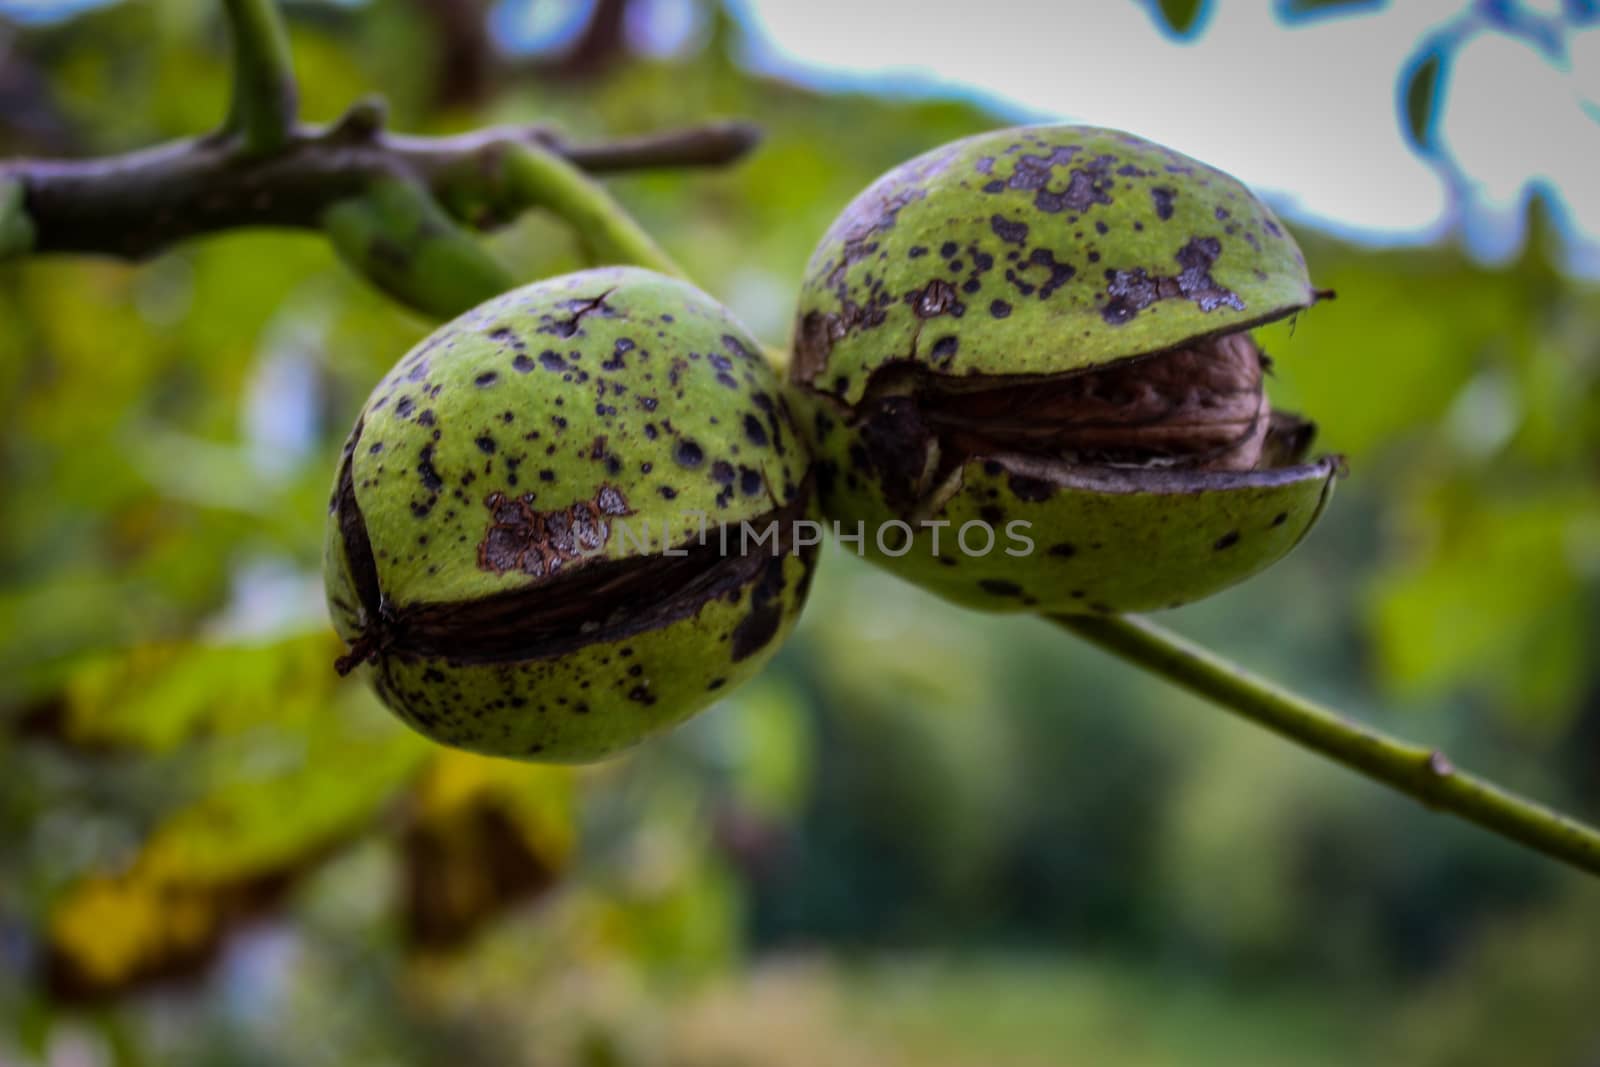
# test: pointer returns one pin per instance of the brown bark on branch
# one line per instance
(136, 205)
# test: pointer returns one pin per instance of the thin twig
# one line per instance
(1424, 773)
(713, 144)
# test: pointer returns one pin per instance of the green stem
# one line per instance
(534, 176)
(1420, 772)
(398, 237)
(265, 98)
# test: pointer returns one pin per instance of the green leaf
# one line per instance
(1183, 19)
(483, 836)
(1494, 600)
(1383, 362)
(158, 696)
(1420, 95)
(276, 806)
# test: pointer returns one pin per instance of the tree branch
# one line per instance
(265, 97)
(1423, 773)
(137, 205)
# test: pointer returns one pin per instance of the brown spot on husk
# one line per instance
(1129, 292)
(540, 543)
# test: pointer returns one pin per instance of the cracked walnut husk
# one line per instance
(1047, 330)
(512, 542)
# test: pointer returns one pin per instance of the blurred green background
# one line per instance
(924, 837)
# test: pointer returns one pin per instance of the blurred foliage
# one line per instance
(924, 837)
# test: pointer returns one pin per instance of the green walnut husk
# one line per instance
(1043, 332)
(513, 541)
